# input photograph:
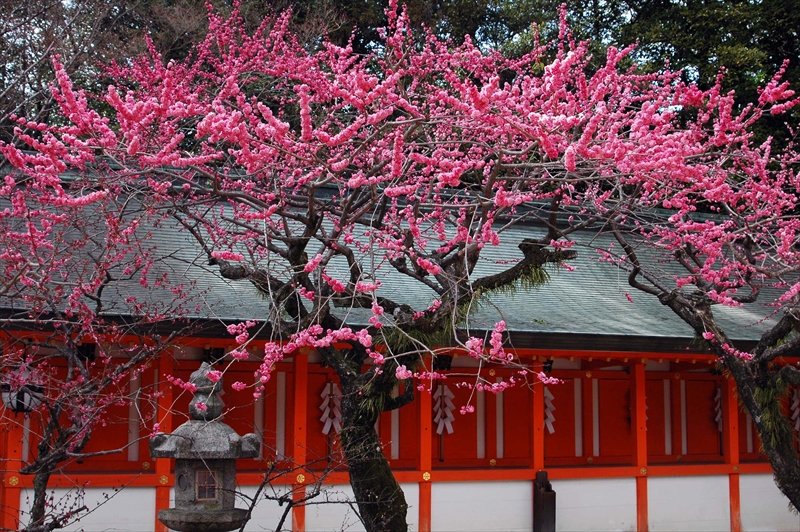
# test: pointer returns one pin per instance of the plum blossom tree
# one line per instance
(65, 243)
(313, 176)
(727, 236)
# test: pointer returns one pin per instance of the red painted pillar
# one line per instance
(537, 427)
(299, 433)
(537, 434)
(730, 424)
(164, 419)
(425, 459)
(12, 480)
(639, 426)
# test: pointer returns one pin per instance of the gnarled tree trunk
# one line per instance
(380, 499)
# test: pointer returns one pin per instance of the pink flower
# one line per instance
(238, 386)
(239, 354)
(362, 286)
(201, 406)
(227, 255)
(312, 264)
(402, 373)
(214, 375)
(377, 357)
(569, 159)
(429, 266)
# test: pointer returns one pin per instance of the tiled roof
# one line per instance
(587, 299)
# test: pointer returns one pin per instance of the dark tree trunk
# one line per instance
(381, 502)
(777, 439)
(38, 509)
(40, 481)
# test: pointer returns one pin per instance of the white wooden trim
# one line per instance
(684, 432)
(480, 407)
(26, 438)
(258, 421)
(499, 422)
(134, 418)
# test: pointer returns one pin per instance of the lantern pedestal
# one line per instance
(205, 521)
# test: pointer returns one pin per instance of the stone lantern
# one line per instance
(205, 452)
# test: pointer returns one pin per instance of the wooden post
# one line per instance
(730, 427)
(425, 459)
(164, 418)
(639, 433)
(12, 480)
(299, 433)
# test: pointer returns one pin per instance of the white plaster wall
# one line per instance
(595, 504)
(128, 510)
(330, 511)
(697, 503)
(481, 506)
(764, 508)
(411, 491)
(267, 513)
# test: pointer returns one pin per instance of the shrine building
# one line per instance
(643, 432)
